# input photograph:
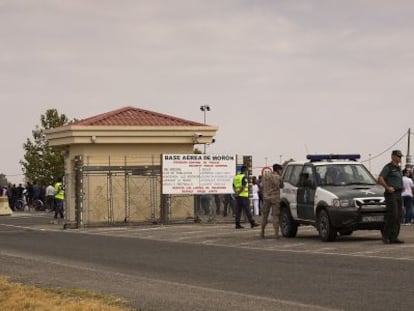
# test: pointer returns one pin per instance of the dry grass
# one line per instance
(16, 297)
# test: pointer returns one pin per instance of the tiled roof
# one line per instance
(130, 116)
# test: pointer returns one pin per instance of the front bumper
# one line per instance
(354, 218)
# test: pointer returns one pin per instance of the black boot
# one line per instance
(238, 226)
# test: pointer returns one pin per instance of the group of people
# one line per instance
(33, 196)
(270, 190)
(266, 199)
(27, 196)
(224, 204)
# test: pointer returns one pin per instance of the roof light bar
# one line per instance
(321, 157)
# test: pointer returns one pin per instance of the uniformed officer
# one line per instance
(59, 199)
(272, 183)
(391, 179)
(241, 190)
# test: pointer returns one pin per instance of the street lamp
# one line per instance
(204, 109)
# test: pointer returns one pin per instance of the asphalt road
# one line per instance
(211, 267)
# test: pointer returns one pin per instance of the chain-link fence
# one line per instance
(122, 190)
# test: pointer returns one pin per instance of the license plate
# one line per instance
(372, 218)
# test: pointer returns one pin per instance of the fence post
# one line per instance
(78, 190)
(126, 190)
(110, 198)
(165, 206)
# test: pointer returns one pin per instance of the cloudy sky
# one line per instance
(283, 78)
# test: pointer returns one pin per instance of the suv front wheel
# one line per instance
(288, 226)
(326, 231)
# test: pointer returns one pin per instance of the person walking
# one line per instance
(228, 203)
(206, 204)
(11, 194)
(407, 195)
(241, 190)
(59, 199)
(391, 179)
(50, 198)
(255, 196)
(260, 193)
(217, 201)
(272, 183)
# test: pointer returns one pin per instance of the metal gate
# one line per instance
(114, 197)
(127, 194)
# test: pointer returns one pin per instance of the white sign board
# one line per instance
(197, 173)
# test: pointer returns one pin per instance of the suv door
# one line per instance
(306, 194)
(290, 189)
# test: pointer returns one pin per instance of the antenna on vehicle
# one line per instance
(307, 150)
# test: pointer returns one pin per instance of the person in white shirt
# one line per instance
(407, 195)
(50, 197)
(255, 196)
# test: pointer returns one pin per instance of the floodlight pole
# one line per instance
(204, 109)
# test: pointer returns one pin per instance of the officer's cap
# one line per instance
(397, 153)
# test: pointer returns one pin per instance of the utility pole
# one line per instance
(369, 161)
(408, 156)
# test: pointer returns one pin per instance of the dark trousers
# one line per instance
(59, 208)
(229, 202)
(408, 205)
(50, 202)
(243, 203)
(392, 215)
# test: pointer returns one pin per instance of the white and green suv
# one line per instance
(334, 193)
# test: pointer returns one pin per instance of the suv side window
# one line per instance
(292, 174)
(307, 177)
(286, 173)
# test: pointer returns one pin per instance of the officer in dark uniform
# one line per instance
(241, 189)
(391, 179)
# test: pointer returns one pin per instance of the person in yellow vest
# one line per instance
(59, 198)
(241, 190)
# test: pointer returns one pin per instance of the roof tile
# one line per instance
(131, 116)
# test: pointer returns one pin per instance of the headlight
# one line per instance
(342, 203)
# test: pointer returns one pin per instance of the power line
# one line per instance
(388, 149)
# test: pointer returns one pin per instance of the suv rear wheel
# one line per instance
(326, 231)
(288, 226)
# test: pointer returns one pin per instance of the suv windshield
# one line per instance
(344, 174)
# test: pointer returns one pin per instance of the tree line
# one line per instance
(42, 164)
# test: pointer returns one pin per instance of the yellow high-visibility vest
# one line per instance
(238, 184)
(59, 191)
